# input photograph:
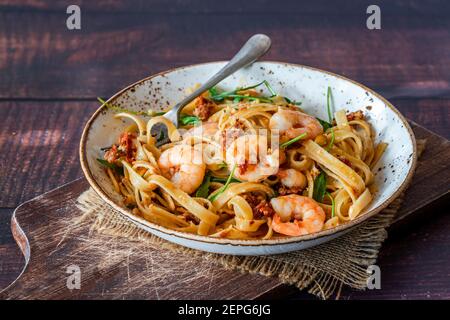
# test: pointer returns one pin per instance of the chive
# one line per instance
(330, 116)
(297, 103)
(235, 93)
(241, 96)
(320, 187)
(332, 204)
(120, 109)
(288, 143)
(252, 86)
(187, 119)
(224, 187)
(213, 91)
(203, 190)
(110, 165)
(330, 145)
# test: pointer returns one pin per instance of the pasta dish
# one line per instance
(245, 164)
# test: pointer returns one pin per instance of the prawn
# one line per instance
(307, 214)
(254, 160)
(183, 165)
(292, 123)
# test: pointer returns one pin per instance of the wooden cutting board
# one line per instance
(36, 227)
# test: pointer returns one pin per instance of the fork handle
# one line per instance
(254, 48)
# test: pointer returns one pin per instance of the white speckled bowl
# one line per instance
(305, 84)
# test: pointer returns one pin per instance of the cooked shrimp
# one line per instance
(207, 130)
(292, 178)
(292, 123)
(308, 216)
(254, 160)
(183, 165)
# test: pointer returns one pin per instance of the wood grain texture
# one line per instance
(41, 58)
(318, 7)
(11, 259)
(432, 177)
(40, 219)
(429, 113)
(414, 259)
(175, 276)
(39, 146)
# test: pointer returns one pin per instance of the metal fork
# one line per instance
(254, 48)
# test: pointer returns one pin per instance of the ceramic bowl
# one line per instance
(301, 83)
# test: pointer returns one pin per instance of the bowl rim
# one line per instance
(244, 242)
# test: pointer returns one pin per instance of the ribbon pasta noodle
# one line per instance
(245, 166)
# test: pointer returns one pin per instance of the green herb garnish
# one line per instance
(332, 203)
(265, 82)
(224, 187)
(110, 165)
(330, 145)
(120, 109)
(269, 87)
(297, 103)
(288, 143)
(241, 97)
(189, 120)
(213, 91)
(216, 96)
(203, 190)
(320, 187)
(330, 115)
(161, 136)
(328, 125)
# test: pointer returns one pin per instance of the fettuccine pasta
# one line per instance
(244, 165)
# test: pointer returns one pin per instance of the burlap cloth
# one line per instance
(322, 270)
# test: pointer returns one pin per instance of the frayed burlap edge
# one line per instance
(322, 269)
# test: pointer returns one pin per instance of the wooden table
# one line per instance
(50, 77)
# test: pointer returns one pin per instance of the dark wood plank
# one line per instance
(434, 166)
(414, 259)
(174, 276)
(429, 113)
(11, 262)
(40, 58)
(39, 146)
(319, 7)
